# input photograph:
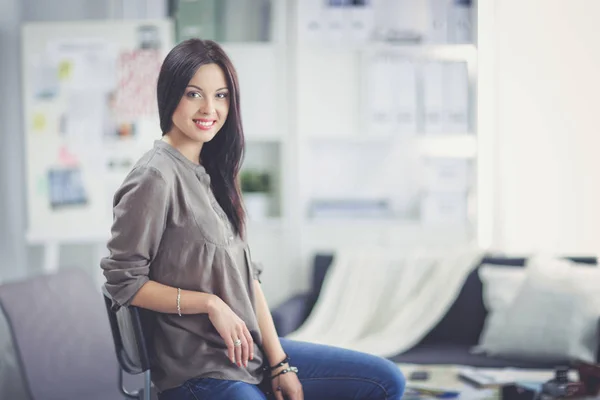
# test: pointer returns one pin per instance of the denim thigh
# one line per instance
(328, 372)
(213, 389)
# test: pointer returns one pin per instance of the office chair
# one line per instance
(61, 337)
(130, 345)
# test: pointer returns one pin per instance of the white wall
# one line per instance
(547, 67)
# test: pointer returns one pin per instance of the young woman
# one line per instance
(178, 248)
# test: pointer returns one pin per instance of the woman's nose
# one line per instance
(207, 107)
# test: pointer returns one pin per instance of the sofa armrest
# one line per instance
(292, 313)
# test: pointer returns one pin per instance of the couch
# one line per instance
(449, 342)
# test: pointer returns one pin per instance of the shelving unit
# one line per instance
(304, 103)
(331, 87)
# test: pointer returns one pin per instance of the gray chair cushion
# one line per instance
(62, 335)
(12, 382)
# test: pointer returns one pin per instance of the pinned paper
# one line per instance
(38, 122)
(136, 87)
(66, 158)
(65, 70)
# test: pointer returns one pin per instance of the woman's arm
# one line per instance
(288, 384)
(272, 347)
(162, 298)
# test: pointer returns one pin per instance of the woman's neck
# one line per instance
(189, 148)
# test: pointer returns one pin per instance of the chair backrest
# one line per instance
(12, 380)
(130, 343)
(61, 335)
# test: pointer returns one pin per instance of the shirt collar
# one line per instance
(198, 169)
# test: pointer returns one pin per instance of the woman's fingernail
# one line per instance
(246, 364)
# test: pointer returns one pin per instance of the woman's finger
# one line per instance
(237, 346)
(277, 392)
(245, 349)
(230, 349)
(250, 343)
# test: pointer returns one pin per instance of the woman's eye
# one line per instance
(194, 94)
(222, 95)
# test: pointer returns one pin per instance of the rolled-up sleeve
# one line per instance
(140, 213)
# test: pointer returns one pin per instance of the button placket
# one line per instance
(229, 236)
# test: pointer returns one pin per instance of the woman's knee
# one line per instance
(393, 378)
(242, 391)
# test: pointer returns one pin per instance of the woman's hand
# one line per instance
(232, 328)
(287, 385)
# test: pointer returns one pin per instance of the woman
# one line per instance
(178, 248)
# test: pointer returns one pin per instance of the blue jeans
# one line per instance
(325, 373)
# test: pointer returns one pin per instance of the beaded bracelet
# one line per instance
(286, 360)
(282, 363)
(179, 301)
(285, 371)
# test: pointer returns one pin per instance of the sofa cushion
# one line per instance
(554, 314)
(465, 319)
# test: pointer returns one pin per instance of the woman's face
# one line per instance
(203, 109)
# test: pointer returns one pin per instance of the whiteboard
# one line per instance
(89, 94)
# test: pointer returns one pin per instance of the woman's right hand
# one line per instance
(231, 328)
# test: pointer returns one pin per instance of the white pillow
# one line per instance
(553, 316)
(500, 285)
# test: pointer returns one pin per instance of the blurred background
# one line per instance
(387, 122)
(401, 125)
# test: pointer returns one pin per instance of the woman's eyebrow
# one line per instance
(200, 89)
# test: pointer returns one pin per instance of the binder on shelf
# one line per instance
(311, 24)
(432, 106)
(460, 26)
(456, 97)
(438, 25)
(336, 17)
(361, 21)
(405, 88)
(380, 96)
(444, 208)
(447, 174)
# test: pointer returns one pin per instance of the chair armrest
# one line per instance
(292, 313)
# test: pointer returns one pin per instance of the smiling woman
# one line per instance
(179, 249)
(198, 97)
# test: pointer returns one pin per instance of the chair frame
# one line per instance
(126, 326)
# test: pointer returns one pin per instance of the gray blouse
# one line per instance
(168, 227)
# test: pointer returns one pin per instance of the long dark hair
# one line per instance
(222, 156)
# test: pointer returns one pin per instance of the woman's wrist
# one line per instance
(275, 357)
(212, 304)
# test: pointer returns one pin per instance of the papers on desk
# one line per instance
(495, 377)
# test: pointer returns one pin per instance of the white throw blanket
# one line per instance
(383, 303)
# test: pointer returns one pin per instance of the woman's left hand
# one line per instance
(287, 385)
